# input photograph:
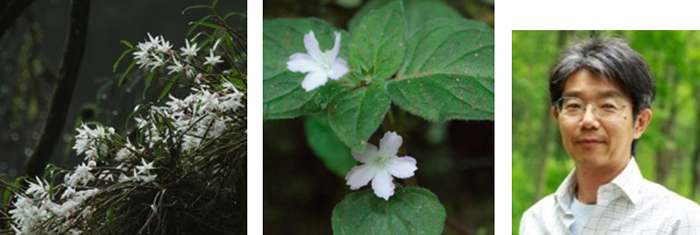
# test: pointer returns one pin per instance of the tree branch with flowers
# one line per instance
(181, 170)
(436, 65)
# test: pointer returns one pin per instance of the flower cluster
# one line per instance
(157, 52)
(87, 140)
(36, 207)
(201, 115)
(109, 159)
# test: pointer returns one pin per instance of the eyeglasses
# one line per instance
(575, 108)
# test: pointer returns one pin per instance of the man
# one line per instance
(601, 92)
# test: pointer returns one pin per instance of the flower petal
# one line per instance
(339, 69)
(360, 175)
(382, 185)
(311, 45)
(370, 150)
(402, 167)
(314, 80)
(389, 144)
(336, 47)
(300, 62)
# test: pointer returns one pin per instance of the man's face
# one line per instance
(601, 136)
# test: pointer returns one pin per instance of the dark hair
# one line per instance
(614, 60)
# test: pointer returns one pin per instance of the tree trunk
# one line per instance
(546, 136)
(696, 153)
(63, 88)
(665, 157)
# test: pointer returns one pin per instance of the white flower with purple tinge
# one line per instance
(319, 65)
(379, 166)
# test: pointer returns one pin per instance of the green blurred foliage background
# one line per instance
(668, 152)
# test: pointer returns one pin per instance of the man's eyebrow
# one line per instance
(601, 94)
(610, 94)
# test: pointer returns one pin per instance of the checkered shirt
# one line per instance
(627, 205)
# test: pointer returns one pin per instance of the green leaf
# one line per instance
(126, 43)
(418, 12)
(283, 96)
(114, 67)
(244, 15)
(167, 87)
(348, 3)
(325, 143)
(409, 211)
(356, 114)
(378, 42)
(128, 69)
(195, 7)
(149, 79)
(441, 97)
(448, 72)
(367, 8)
(198, 23)
(209, 25)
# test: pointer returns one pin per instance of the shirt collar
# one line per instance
(626, 184)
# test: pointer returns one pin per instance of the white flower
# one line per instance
(81, 176)
(38, 190)
(143, 172)
(379, 166)
(216, 44)
(164, 46)
(212, 60)
(68, 192)
(86, 138)
(143, 57)
(145, 167)
(157, 62)
(319, 65)
(189, 51)
(123, 155)
(189, 71)
(154, 40)
(176, 68)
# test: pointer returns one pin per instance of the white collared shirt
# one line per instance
(629, 204)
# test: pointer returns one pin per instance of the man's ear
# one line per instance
(554, 112)
(642, 122)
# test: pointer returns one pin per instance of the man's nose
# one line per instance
(589, 119)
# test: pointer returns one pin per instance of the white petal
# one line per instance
(339, 69)
(402, 167)
(370, 151)
(382, 185)
(300, 62)
(360, 175)
(311, 45)
(389, 144)
(336, 47)
(314, 80)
